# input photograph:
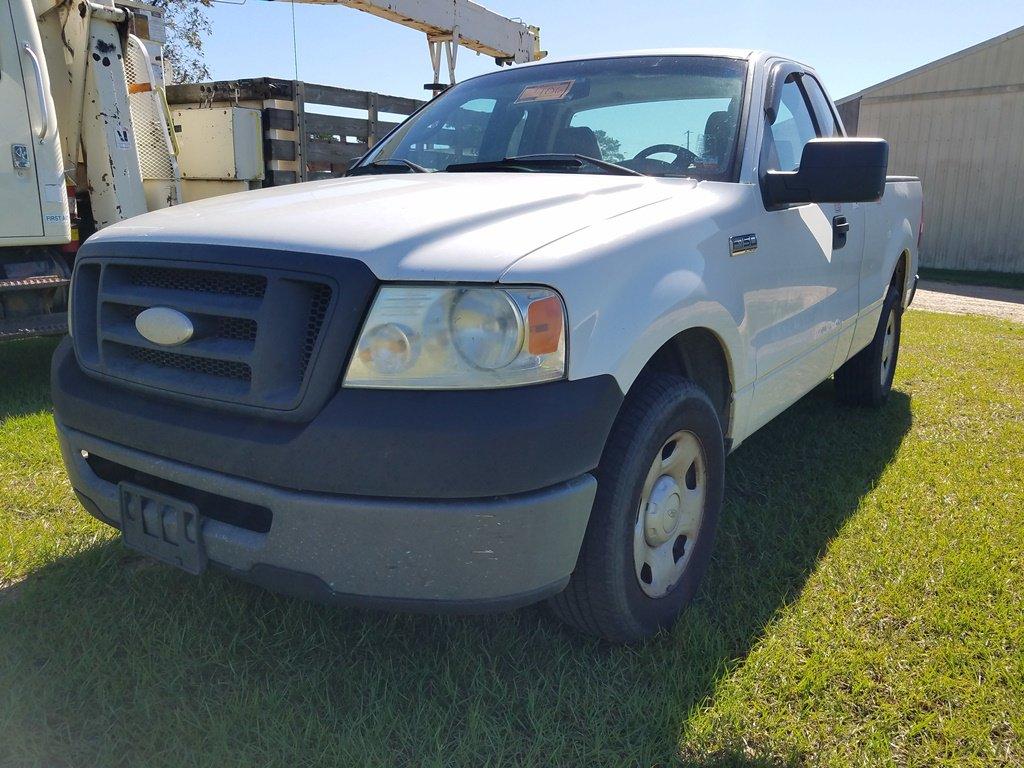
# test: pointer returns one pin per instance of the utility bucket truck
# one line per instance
(80, 121)
(87, 138)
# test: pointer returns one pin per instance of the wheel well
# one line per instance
(698, 354)
(899, 275)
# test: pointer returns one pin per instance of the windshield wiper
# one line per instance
(535, 162)
(390, 165)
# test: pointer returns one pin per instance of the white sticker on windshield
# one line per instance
(546, 91)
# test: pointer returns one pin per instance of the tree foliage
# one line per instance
(187, 29)
(611, 148)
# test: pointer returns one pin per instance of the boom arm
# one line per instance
(451, 23)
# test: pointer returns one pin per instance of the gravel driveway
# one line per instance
(955, 299)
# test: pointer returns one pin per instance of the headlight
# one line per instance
(426, 337)
(487, 328)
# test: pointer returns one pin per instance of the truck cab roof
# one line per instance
(749, 54)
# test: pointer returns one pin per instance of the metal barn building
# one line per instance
(958, 123)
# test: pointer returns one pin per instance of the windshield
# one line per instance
(657, 115)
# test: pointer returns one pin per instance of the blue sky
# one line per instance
(853, 44)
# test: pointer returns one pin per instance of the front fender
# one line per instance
(624, 342)
(634, 282)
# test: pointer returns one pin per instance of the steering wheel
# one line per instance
(683, 157)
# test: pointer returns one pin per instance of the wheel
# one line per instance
(866, 378)
(652, 528)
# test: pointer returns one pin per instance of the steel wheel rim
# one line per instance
(669, 514)
(888, 346)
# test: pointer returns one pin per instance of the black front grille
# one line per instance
(197, 281)
(256, 333)
(239, 328)
(318, 305)
(233, 328)
(225, 369)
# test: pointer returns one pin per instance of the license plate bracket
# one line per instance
(162, 527)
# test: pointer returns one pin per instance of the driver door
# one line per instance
(808, 274)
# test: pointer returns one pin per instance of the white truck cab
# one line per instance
(35, 223)
(33, 201)
(504, 360)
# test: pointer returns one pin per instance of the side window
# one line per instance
(822, 108)
(792, 129)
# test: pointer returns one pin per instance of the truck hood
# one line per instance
(444, 226)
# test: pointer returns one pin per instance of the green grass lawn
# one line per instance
(865, 608)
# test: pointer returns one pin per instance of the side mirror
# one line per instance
(832, 171)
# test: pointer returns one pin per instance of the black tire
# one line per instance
(604, 596)
(861, 380)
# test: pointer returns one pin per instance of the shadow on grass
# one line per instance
(105, 659)
(25, 376)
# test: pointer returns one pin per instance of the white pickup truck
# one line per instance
(503, 360)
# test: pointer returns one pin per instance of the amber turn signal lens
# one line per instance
(544, 319)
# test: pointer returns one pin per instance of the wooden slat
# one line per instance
(228, 90)
(334, 152)
(334, 125)
(272, 88)
(334, 96)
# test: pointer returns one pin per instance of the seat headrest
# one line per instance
(577, 141)
(718, 134)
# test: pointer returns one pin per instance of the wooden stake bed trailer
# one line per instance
(299, 142)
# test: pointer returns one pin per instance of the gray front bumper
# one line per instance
(463, 555)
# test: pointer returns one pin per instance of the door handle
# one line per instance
(840, 229)
(44, 106)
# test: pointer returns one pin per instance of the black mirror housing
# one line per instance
(838, 170)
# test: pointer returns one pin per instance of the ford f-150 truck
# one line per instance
(502, 360)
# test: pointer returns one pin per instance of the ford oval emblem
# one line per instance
(164, 326)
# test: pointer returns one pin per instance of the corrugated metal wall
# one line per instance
(959, 125)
